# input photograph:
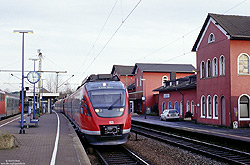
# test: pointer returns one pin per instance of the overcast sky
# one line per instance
(88, 37)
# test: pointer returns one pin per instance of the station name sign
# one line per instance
(166, 96)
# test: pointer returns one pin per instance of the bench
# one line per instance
(28, 121)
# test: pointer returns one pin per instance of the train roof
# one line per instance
(100, 77)
(2, 91)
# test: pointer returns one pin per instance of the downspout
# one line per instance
(182, 96)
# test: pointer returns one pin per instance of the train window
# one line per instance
(1, 97)
(88, 111)
(85, 108)
(108, 103)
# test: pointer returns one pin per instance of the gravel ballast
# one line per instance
(160, 153)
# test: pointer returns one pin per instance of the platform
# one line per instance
(242, 134)
(38, 144)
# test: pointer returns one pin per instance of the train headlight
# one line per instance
(121, 109)
(97, 110)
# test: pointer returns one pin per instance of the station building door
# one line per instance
(223, 111)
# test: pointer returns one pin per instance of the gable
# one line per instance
(208, 23)
(232, 26)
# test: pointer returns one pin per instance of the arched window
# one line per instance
(164, 78)
(222, 65)
(211, 38)
(181, 108)
(215, 67)
(215, 107)
(187, 106)
(202, 70)
(208, 68)
(163, 106)
(140, 81)
(209, 107)
(176, 106)
(170, 105)
(244, 107)
(243, 64)
(192, 107)
(203, 106)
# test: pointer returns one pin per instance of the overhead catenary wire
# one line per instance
(235, 6)
(182, 37)
(185, 53)
(105, 45)
(98, 36)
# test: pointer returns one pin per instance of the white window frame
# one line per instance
(208, 70)
(202, 73)
(209, 116)
(192, 107)
(181, 108)
(164, 78)
(239, 118)
(140, 82)
(211, 38)
(222, 66)
(248, 64)
(203, 116)
(215, 67)
(215, 108)
(187, 106)
(137, 82)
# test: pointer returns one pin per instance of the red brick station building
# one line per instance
(216, 93)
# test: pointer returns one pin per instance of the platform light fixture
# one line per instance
(24, 31)
(22, 131)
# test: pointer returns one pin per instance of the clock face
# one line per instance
(33, 77)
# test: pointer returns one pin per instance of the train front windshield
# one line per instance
(108, 102)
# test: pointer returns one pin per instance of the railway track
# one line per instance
(224, 154)
(118, 155)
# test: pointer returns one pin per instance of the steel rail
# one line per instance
(118, 155)
(211, 150)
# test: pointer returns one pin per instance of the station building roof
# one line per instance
(156, 67)
(122, 70)
(188, 82)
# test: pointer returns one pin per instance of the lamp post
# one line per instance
(34, 90)
(22, 131)
(145, 98)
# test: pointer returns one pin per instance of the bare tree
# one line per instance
(51, 83)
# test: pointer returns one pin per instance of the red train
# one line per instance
(100, 110)
(9, 104)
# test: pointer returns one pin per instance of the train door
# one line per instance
(223, 111)
(86, 114)
(2, 105)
